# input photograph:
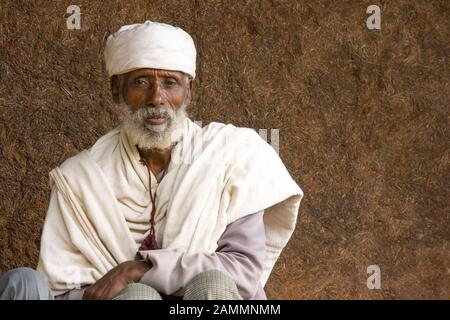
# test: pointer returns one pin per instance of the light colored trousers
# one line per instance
(28, 284)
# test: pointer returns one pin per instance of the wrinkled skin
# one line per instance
(153, 88)
(115, 280)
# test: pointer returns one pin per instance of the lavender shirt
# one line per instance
(240, 254)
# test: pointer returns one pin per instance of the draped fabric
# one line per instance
(100, 206)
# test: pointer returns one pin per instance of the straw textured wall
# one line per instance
(363, 118)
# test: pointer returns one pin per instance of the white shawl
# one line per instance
(100, 206)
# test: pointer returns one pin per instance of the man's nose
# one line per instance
(155, 97)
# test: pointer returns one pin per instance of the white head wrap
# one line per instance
(150, 45)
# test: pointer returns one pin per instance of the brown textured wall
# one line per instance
(363, 118)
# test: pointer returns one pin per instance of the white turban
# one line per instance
(150, 45)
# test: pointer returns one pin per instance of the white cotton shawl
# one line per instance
(100, 206)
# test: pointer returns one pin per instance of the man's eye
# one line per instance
(141, 82)
(170, 82)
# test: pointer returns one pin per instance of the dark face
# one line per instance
(153, 88)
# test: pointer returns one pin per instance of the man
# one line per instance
(159, 208)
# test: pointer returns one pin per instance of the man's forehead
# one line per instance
(155, 72)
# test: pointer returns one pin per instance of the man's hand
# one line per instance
(116, 279)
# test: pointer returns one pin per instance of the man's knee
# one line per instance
(24, 284)
(212, 285)
(138, 291)
(22, 275)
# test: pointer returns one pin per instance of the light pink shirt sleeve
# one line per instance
(240, 254)
(74, 294)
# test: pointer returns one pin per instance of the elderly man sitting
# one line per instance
(160, 208)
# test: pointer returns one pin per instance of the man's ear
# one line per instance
(115, 89)
(189, 91)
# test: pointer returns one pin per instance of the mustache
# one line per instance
(159, 112)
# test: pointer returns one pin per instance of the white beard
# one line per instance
(147, 136)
